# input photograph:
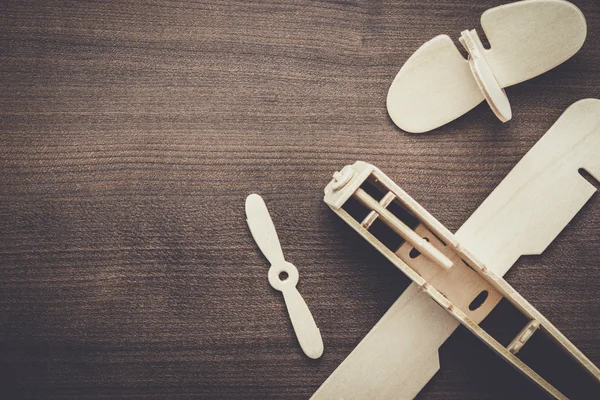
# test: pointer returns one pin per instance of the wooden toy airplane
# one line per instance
(462, 272)
(527, 38)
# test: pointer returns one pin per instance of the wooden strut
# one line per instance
(461, 277)
(494, 95)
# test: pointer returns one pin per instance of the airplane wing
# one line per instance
(424, 96)
(522, 216)
(541, 194)
(542, 35)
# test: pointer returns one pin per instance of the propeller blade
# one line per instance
(262, 229)
(309, 336)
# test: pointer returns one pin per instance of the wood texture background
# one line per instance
(131, 133)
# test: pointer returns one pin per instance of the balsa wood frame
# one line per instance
(522, 216)
(452, 288)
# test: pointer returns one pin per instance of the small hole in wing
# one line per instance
(588, 177)
(478, 301)
(283, 276)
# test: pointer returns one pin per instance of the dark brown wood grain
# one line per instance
(131, 133)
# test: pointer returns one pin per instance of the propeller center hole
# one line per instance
(283, 276)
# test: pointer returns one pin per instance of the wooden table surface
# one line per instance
(131, 133)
